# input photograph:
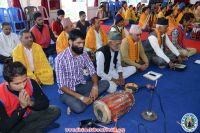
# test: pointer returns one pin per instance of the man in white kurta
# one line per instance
(8, 41)
(108, 61)
(159, 49)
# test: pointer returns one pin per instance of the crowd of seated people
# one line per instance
(115, 55)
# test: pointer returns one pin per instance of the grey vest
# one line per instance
(148, 48)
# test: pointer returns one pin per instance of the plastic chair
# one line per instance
(3, 13)
(29, 11)
(2, 16)
(17, 20)
(44, 13)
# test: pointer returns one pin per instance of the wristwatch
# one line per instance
(81, 98)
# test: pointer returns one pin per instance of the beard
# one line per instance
(77, 50)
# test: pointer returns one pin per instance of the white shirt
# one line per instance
(120, 28)
(8, 43)
(29, 55)
(159, 51)
(100, 65)
(99, 42)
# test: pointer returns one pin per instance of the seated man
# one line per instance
(122, 9)
(8, 41)
(42, 34)
(121, 12)
(62, 40)
(82, 24)
(74, 90)
(132, 51)
(32, 56)
(176, 33)
(119, 26)
(144, 19)
(159, 49)
(124, 6)
(96, 36)
(130, 15)
(56, 25)
(108, 61)
(24, 108)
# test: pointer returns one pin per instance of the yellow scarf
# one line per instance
(178, 19)
(142, 20)
(158, 36)
(123, 16)
(160, 14)
(133, 49)
(172, 24)
(90, 40)
(42, 68)
(154, 21)
(61, 42)
(130, 15)
(175, 11)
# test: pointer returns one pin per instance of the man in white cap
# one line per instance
(62, 40)
(159, 49)
(108, 61)
(132, 51)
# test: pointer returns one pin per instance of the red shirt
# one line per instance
(11, 101)
(57, 27)
(42, 37)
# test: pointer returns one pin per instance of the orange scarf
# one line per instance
(161, 14)
(90, 41)
(123, 16)
(130, 15)
(42, 68)
(172, 25)
(61, 42)
(133, 49)
(142, 20)
(158, 36)
(178, 19)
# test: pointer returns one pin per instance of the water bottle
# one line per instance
(51, 61)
